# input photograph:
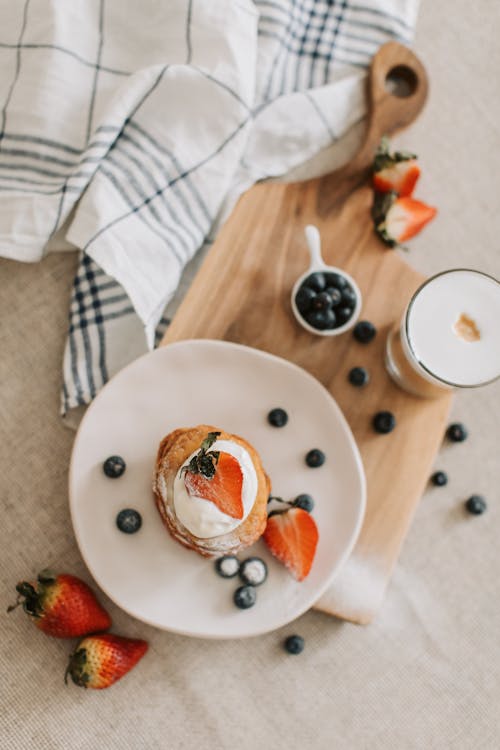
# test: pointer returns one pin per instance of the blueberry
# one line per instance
(336, 280)
(439, 478)
(227, 566)
(277, 417)
(315, 458)
(335, 295)
(349, 297)
(322, 301)
(343, 314)
(456, 432)
(129, 520)
(384, 422)
(304, 299)
(114, 467)
(322, 320)
(358, 376)
(364, 331)
(253, 571)
(245, 597)
(316, 282)
(476, 504)
(304, 501)
(294, 644)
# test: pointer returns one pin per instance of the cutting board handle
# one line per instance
(397, 90)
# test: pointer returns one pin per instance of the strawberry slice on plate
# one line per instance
(223, 488)
(396, 172)
(398, 219)
(292, 537)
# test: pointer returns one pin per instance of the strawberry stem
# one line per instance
(29, 598)
(205, 461)
(75, 668)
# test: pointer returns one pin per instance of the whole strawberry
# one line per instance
(100, 660)
(61, 605)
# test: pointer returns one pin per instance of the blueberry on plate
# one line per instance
(114, 467)
(358, 376)
(439, 479)
(227, 566)
(304, 299)
(129, 520)
(245, 597)
(456, 432)
(304, 501)
(277, 417)
(315, 281)
(253, 571)
(315, 458)
(384, 422)
(476, 504)
(364, 331)
(335, 295)
(322, 320)
(294, 644)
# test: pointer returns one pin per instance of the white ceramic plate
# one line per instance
(148, 574)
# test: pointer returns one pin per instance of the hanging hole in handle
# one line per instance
(401, 81)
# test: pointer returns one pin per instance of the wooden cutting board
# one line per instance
(242, 294)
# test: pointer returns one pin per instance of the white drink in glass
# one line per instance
(449, 336)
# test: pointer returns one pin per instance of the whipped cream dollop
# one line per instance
(202, 517)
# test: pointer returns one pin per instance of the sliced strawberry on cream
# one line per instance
(223, 489)
(215, 505)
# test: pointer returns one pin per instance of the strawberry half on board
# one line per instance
(292, 537)
(217, 477)
(61, 605)
(396, 172)
(397, 219)
(100, 660)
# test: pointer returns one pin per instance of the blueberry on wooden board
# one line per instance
(384, 422)
(364, 331)
(358, 376)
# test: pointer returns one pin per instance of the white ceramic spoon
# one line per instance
(318, 264)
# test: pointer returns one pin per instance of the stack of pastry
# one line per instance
(211, 490)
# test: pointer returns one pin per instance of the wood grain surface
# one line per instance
(242, 294)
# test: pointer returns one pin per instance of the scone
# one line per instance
(211, 490)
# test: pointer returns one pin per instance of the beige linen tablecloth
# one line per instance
(426, 673)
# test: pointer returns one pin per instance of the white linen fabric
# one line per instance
(128, 130)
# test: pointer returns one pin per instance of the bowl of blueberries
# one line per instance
(325, 299)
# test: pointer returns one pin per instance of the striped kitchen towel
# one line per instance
(128, 128)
